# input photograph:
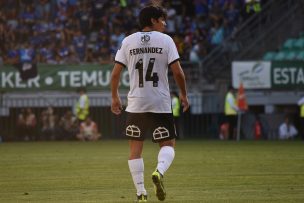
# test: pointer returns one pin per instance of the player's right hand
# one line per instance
(116, 106)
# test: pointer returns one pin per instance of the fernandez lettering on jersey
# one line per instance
(145, 50)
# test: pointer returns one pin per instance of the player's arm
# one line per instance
(115, 77)
(179, 78)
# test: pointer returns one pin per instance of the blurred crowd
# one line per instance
(90, 31)
(49, 125)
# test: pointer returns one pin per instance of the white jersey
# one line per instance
(148, 56)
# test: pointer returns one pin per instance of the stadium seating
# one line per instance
(280, 56)
(292, 49)
(288, 44)
(300, 56)
(268, 56)
(291, 55)
(299, 44)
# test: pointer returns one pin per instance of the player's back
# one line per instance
(147, 56)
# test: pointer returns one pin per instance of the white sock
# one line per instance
(165, 158)
(136, 167)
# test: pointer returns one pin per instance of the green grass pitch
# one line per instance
(203, 171)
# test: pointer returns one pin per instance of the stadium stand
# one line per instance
(254, 38)
(78, 31)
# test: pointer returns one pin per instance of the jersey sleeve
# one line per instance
(172, 52)
(121, 54)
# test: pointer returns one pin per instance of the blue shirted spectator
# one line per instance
(217, 34)
(47, 54)
(26, 54)
(232, 15)
(62, 53)
(28, 15)
(12, 54)
(79, 43)
(201, 7)
(84, 19)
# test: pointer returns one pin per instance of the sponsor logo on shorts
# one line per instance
(133, 131)
(161, 133)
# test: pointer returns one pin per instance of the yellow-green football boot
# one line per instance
(157, 179)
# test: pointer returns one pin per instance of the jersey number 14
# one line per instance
(149, 75)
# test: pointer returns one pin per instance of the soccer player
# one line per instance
(148, 55)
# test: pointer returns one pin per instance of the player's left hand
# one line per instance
(185, 102)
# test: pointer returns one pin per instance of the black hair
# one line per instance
(230, 88)
(174, 93)
(149, 12)
(81, 89)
